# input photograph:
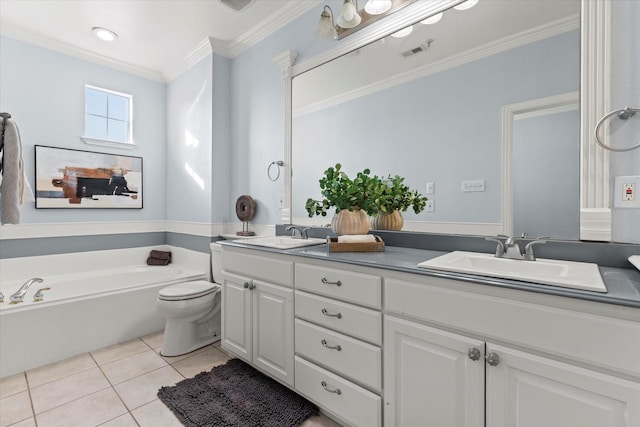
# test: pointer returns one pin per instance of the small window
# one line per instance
(107, 116)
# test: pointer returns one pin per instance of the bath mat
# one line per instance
(235, 394)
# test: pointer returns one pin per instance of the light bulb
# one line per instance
(348, 10)
(377, 7)
(403, 32)
(432, 19)
(466, 5)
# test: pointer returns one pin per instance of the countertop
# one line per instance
(623, 285)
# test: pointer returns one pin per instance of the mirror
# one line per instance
(465, 110)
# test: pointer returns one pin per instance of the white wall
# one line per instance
(625, 72)
(189, 121)
(44, 92)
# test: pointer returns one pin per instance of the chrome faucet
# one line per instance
(298, 232)
(510, 248)
(19, 295)
(528, 250)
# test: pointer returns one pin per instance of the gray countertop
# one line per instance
(623, 285)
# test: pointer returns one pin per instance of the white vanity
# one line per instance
(374, 341)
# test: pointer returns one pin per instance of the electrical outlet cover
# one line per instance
(625, 192)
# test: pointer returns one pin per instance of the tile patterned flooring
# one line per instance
(111, 387)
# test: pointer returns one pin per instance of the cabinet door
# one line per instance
(273, 330)
(429, 378)
(524, 390)
(236, 316)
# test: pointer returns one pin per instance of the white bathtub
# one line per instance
(87, 308)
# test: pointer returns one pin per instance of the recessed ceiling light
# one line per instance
(104, 34)
(466, 5)
(432, 19)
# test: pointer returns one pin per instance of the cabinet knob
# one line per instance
(332, 347)
(326, 313)
(335, 390)
(327, 282)
(246, 285)
(493, 359)
(249, 285)
(474, 353)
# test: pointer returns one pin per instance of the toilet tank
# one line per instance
(216, 262)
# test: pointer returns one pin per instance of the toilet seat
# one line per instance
(187, 290)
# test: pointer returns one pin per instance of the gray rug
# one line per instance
(235, 394)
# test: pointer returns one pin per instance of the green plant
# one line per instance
(393, 194)
(342, 192)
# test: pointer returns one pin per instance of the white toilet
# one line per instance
(192, 310)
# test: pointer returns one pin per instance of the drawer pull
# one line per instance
(326, 282)
(336, 391)
(332, 347)
(326, 313)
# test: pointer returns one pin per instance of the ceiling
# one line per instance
(157, 39)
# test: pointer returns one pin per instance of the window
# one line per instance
(107, 116)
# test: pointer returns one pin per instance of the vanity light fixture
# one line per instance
(104, 34)
(376, 7)
(432, 19)
(466, 5)
(352, 19)
(326, 26)
(349, 18)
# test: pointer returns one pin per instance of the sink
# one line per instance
(568, 274)
(281, 242)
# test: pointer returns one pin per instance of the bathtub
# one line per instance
(86, 308)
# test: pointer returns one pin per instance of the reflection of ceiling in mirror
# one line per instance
(490, 26)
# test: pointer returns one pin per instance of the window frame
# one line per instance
(106, 142)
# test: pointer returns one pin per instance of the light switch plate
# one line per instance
(473, 186)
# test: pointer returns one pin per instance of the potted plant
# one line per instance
(392, 198)
(352, 199)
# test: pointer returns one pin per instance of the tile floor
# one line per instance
(112, 387)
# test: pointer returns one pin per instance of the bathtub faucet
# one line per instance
(19, 295)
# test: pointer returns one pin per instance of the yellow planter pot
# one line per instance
(387, 221)
(350, 222)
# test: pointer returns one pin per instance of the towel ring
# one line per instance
(623, 114)
(278, 164)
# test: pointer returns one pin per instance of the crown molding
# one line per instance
(12, 31)
(506, 43)
(270, 25)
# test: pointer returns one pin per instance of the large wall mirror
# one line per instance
(485, 99)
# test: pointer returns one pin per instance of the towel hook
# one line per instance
(623, 114)
(277, 163)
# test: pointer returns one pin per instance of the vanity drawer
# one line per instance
(344, 355)
(269, 269)
(357, 406)
(350, 319)
(359, 288)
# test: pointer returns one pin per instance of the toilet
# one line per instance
(192, 312)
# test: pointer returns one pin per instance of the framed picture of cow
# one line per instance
(68, 179)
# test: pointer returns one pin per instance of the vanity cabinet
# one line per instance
(257, 312)
(435, 376)
(338, 338)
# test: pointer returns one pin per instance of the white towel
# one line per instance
(12, 186)
(357, 238)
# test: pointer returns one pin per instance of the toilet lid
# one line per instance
(187, 290)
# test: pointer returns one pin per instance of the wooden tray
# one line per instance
(335, 246)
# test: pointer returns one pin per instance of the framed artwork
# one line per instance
(76, 179)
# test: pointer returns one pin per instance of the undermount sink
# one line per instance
(281, 242)
(568, 274)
